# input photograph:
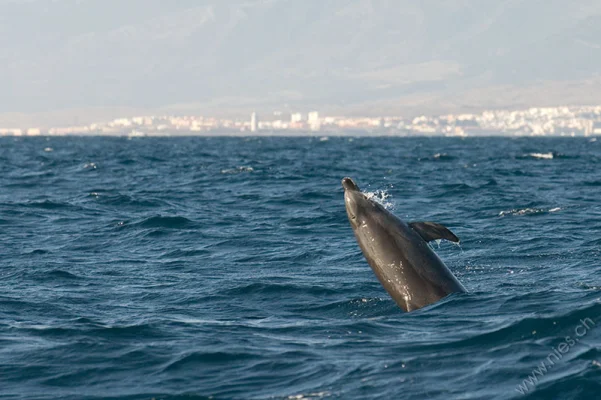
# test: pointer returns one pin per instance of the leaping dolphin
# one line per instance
(398, 252)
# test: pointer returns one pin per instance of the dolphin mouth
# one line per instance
(349, 184)
(350, 213)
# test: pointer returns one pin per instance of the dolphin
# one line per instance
(398, 252)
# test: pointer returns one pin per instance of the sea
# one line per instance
(226, 268)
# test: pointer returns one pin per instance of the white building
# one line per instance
(254, 122)
(296, 118)
(314, 121)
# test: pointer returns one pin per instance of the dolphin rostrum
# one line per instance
(399, 253)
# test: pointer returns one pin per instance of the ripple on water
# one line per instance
(165, 222)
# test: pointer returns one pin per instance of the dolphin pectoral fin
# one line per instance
(430, 231)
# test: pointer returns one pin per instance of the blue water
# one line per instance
(225, 268)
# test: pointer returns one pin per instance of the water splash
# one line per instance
(382, 197)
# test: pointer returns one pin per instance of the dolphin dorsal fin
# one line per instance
(430, 231)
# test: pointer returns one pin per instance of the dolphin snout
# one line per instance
(349, 184)
(352, 199)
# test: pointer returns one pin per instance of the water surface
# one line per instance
(225, 268)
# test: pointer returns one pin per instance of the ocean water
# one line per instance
(225, 268)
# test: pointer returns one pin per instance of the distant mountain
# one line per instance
(229, 56)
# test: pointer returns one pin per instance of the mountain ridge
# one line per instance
(234, 56)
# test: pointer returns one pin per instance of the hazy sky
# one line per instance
(343, 54)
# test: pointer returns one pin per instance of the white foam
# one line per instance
(520, 212)
(527, 211)
(237, 170)
(546, 156)
(318, 395)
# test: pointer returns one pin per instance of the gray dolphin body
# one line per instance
(398, 252)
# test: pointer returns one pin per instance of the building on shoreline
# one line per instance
(548, 121)
(254, 122)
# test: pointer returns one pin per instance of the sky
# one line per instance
(74, 57)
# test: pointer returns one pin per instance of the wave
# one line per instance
(588, 286)
(60, 274)
(165, 222)
(197, 359)
(50, 205)
(551, 155)
(163, 396)
(457, 187)
(523, 330)
(179, 254)
(127, 331)
(22, 185)
(592, 354)
(578, 383)
(544, 156)
(277, 288)
(37, 252)
(238, 170)
(310, 396)
(595, 183)
(355, 308)
(90, 166)
(438, 157)
(125, 200)
(528, 211)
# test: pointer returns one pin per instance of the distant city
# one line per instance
(548, 121)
